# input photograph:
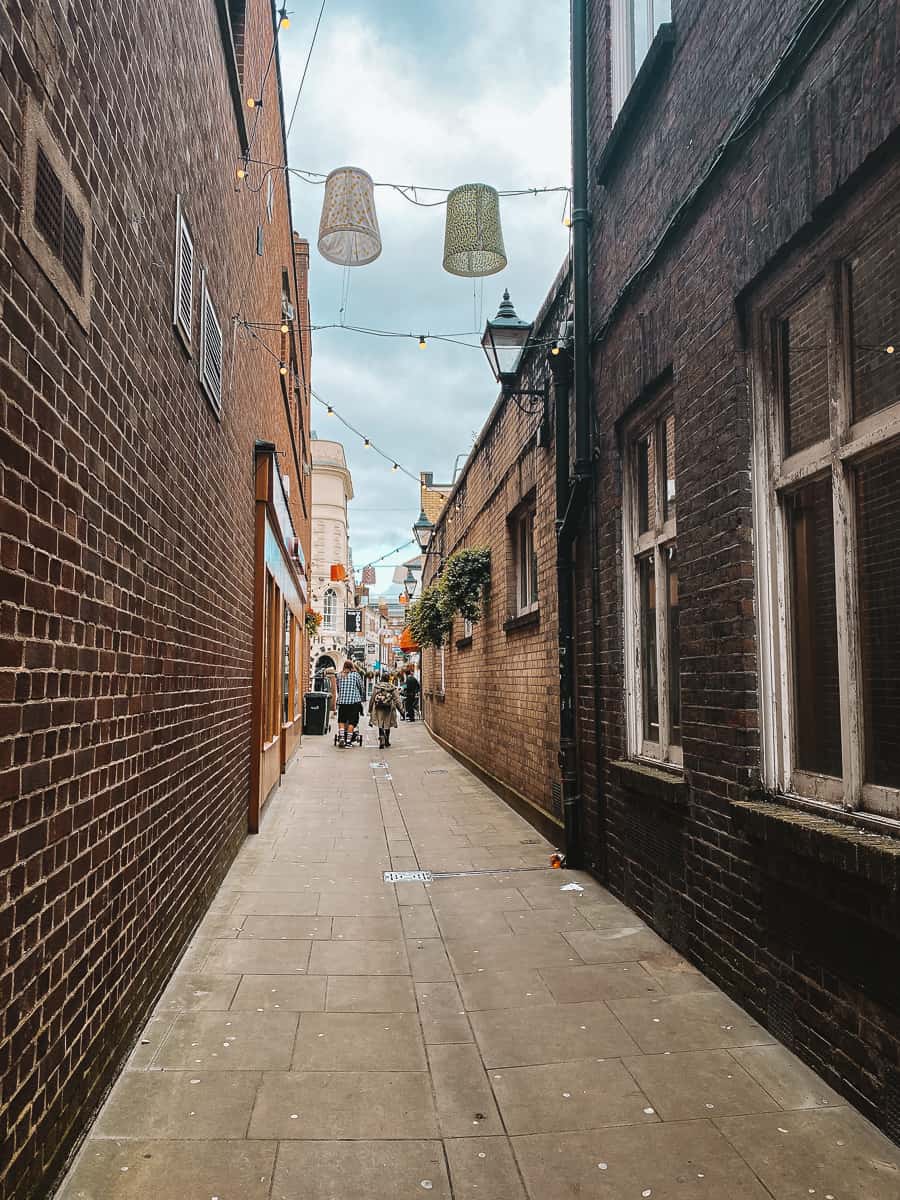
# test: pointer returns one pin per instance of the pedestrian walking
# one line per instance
(411, 694)
(351, 693)
(383, 709)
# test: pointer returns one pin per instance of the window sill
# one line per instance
(656, 783)
(645, 83)
(523, 621)
(828, 840)
(464, 643)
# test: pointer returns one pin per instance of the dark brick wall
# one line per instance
(126, 546)
(825, 137)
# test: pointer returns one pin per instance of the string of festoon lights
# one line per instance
(331, 411)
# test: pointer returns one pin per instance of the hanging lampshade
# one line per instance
(348, 231)
(473, 239)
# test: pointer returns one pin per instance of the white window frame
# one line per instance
(625, 67)
(654, 544)
(775, 477)
(329, 619)
(467, 627)
(526, 599)
(210, 331)
(183, 281)
(270, 197)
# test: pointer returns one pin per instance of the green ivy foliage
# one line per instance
(464, 579)
(427, 617)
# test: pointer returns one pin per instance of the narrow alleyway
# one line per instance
(328, 1036)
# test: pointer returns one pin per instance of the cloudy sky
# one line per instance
(434, 94)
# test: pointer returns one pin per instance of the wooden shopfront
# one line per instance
(280, 597)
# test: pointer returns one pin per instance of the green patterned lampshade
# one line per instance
(473, 239)
(348, 231)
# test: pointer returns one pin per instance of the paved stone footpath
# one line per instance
(494, 1036)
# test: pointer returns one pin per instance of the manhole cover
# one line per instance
(408, 877)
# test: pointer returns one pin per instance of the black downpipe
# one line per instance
(572, 493)
(568, 762)
(581, 223)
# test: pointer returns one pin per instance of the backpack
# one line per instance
(384, 697)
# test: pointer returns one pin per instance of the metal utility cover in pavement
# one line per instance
(408, 877)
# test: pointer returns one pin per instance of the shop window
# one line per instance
(828, 471)
(653, 644)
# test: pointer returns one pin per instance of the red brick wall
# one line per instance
(127, 538)
(500, 707)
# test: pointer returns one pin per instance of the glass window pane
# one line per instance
(534, 565)
(640, 15)
(669, 467)
(877, 489)
(674, 650)
(817, 709)
(523, 564)
(875, 322)
(286, 667)
(804, 370)
(646, 484)
(649, 682)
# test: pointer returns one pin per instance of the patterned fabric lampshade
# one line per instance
(473, 239)
(348, 230)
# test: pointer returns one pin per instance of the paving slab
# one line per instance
(358, 958)
(504, 989)
(483, 1167)
(170, 1170)
(384, 1170)
(526, 1036)
(374, 994)
(192, 1105)
(465, 1102)
(692, 1161)
(787, 1080)
(699, 1084)
(351, 1041)
(564, 1097)
(287, 993)
(610, 981)
(821, 1152)
(232, 1041)
(326, 1105)
(698, 1021)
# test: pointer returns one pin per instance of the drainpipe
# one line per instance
(568, 760)
(572, 494)
(581, 223)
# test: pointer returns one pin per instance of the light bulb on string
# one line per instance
(254, 102)
(422, 342)
(395, 467)
(283, 18)
(284, 326)
(282, 369)
(241, 172)
(889, 349)
(367, 444)
(330, 412)
(554, 351)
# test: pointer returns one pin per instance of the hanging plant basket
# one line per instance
(312, 621)
(466, 576)
(427, 618)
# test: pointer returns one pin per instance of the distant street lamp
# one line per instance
(422, 531)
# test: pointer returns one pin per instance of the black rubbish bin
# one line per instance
(315, 712)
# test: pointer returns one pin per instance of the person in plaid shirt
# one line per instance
(351, 696)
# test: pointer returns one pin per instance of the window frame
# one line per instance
(208, 317)
(624, 66)
(638, 547)
(329, 621)
(777, 476)
(182, 234)
(523, 537)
